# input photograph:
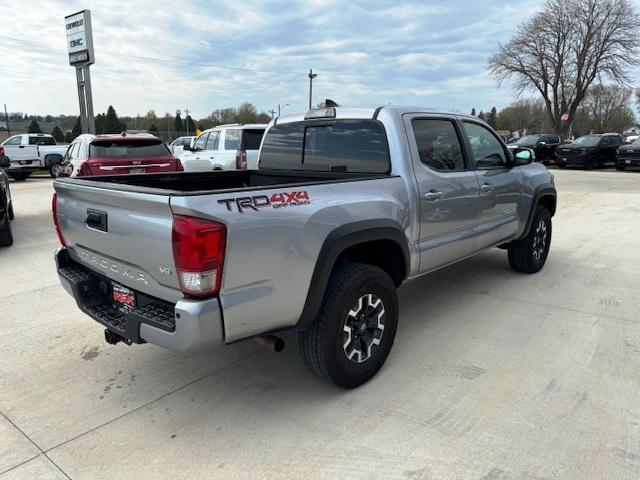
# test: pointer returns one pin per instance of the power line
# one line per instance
(157, 59)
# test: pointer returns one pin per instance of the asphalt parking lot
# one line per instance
(493, 375)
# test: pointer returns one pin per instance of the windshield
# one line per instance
(128, 148)
(636, 141)
(528, 140)
(587, 140)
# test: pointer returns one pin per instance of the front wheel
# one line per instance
(589, 163)
(530, 254)
(351, 338)
(620, 167)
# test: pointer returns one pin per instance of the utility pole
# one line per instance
(272, 112)
(186, 112)
(311, 77)
(6, 117)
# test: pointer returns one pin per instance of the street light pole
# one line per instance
(311, 77)
(282, 106)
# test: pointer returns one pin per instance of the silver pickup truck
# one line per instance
(346, 206)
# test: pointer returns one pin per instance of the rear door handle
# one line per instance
(486, 187)
(432, 195)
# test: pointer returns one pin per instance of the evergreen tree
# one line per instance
(473, 111)
(77, 129)
(153, 130)
(492, 117)
(481, 115)
(177, 124)
(34, 127)
(189, 124)
(68, 138)
(57, 134)
(100, 121)
(111, 122)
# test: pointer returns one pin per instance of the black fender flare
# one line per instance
(540, 192)
(334, 245)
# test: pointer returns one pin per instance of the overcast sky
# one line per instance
(365, 53)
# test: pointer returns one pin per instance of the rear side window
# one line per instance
(128, 148)
(232, 139)
(212, 142)
(343, 145)
(251, 139)
(41, 141)
(438, 144)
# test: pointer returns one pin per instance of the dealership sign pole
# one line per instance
(80, 48)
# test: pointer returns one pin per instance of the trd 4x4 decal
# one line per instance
(277, 200)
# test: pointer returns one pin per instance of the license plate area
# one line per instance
(124, 298)
(137, 170)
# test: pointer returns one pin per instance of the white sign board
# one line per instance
(79, 38)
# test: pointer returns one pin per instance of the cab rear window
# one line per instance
(340, 145)
(128, 149)
(42, 141)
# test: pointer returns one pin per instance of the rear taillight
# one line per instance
(198, 252)
(1, 151)
(241, 160)
(179, 166)
(54, 212)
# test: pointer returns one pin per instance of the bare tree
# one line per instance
(606, 103)
(565, 47)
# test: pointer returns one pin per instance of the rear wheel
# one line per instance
(561, 164)
(6, 234)
(530, 254)
(351, 338)
(620, 166)
(54, 170)
(11, 215)
(19, 176)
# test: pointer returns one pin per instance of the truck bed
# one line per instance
(198, 183)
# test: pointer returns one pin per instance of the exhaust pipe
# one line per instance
(270, 342)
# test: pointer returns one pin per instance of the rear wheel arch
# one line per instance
(378, 242)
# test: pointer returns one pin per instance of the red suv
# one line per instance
(91, 155)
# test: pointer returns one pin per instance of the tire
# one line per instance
(53, 170)
(560, 164)
(6, 234)
(19, 176)
(11, 215)
(588, 163)
(620, 167)
(325, 345)
(527, 255)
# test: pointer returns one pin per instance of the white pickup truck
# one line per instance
(29, 152)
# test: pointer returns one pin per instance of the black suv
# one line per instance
(628, 155)
(543, 144)
(589, 151)
(6, 205)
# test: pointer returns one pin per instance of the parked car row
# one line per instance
(587, 151)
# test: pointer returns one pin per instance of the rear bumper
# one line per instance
(187, 325)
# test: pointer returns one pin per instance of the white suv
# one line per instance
(225, 147)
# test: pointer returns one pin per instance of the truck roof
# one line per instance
(370, 112)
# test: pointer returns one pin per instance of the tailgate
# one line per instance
(125, 236)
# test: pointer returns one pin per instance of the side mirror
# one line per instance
(5, 162)
(522, 156)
